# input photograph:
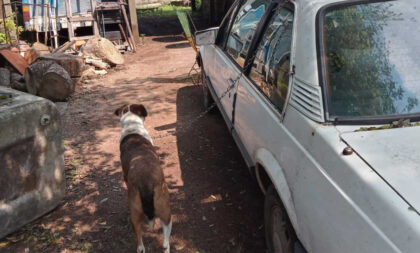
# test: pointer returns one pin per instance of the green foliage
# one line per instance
(165, 10)
(12, 27)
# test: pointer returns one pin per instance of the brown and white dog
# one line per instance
(148, 195)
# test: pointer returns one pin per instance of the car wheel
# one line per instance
(279, 233)
(207, 98)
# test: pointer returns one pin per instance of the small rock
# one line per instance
(101, 72)
(89, 73)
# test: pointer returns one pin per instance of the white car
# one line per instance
(322, 99)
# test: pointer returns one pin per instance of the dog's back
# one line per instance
(141, 168)
(148, 195)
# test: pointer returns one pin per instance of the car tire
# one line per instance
(279, 233)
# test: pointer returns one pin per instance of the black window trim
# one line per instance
(290, 6)
(322, 75)
(237, 3)
(259, 30)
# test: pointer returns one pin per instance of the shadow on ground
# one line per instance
(216, 205)
(221, 199)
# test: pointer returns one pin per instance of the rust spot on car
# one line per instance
(396, 124)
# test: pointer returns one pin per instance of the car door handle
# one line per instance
(230, 83)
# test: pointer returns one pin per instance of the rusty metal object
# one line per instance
(347, 151)
(15, 59)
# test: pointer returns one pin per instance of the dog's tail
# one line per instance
(147, 196)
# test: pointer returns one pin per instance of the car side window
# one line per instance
(243, 29)
(271, 65)
(224, 27)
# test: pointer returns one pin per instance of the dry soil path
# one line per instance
(216, 204)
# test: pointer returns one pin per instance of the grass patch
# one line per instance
(163, 11)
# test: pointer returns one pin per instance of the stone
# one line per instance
(4, 77)
(17, 81)
(30, 134)
(103, 49)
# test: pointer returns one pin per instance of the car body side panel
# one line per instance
(220, 69)
(362, 186)
(327, 219)
(340, 203)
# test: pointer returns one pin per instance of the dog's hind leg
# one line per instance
(167, 228)
(163, 211)
(141, 248)
(136, 216)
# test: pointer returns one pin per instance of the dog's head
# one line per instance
(137, 109)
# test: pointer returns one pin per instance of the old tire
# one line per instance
(279, 233)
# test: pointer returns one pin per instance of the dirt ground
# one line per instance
(216, 205)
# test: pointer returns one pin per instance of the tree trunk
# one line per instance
(193, 5)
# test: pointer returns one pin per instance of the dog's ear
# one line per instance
(119, 111)
(139, 110)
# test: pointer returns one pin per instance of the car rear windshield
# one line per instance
(372, 59)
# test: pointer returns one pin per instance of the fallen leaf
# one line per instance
(2, 244)
(179, 247)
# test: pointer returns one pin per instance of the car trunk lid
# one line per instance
(395, 155)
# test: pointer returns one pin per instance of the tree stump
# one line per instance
(74, 65)
(31, 55)
(37, 50)
(42, 48)
(49, 80)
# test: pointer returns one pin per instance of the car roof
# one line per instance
(320, 2)
(317, 4)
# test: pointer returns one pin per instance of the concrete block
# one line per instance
(32, 180)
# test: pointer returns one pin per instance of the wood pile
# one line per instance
(54, 75)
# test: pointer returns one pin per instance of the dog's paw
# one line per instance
(141, 249)
(167, 248)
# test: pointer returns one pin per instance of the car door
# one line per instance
(262, 95)
(231, 50)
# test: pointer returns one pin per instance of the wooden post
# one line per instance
(69, 22)
(95, 23)
(134, 20)
(45, 8)
(36, 24)
(130, 32)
